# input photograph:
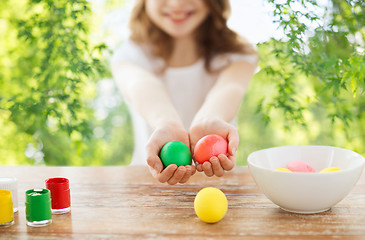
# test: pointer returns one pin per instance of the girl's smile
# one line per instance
(177, 18)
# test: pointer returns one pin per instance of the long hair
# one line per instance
(213, 35)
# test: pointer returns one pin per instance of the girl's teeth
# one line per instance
(178, 16)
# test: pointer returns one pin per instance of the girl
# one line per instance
(183, 74)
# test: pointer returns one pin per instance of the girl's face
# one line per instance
(178, 18)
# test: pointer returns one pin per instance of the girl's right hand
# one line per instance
(171, 174)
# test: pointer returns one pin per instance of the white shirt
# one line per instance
(187, 87)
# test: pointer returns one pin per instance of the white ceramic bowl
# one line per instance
(306, 192)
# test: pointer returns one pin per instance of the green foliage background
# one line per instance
(309, 89)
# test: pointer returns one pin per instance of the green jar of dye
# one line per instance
(38, 207)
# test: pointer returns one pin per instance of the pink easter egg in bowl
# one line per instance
(311, 191)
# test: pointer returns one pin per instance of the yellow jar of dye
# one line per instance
(6, 208)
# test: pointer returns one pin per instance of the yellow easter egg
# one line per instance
(282, 169)
(330, 169)
(210, 204)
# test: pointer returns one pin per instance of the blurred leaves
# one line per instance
(56, 64)
(313, 78)
(48, 72)
(327, 46)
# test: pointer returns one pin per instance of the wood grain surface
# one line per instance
(127, 203)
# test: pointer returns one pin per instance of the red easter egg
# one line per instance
(209, 146)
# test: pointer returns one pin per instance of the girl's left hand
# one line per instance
(216, 165)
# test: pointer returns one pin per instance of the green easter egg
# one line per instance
(175, 152)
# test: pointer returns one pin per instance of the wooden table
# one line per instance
(127, 203)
